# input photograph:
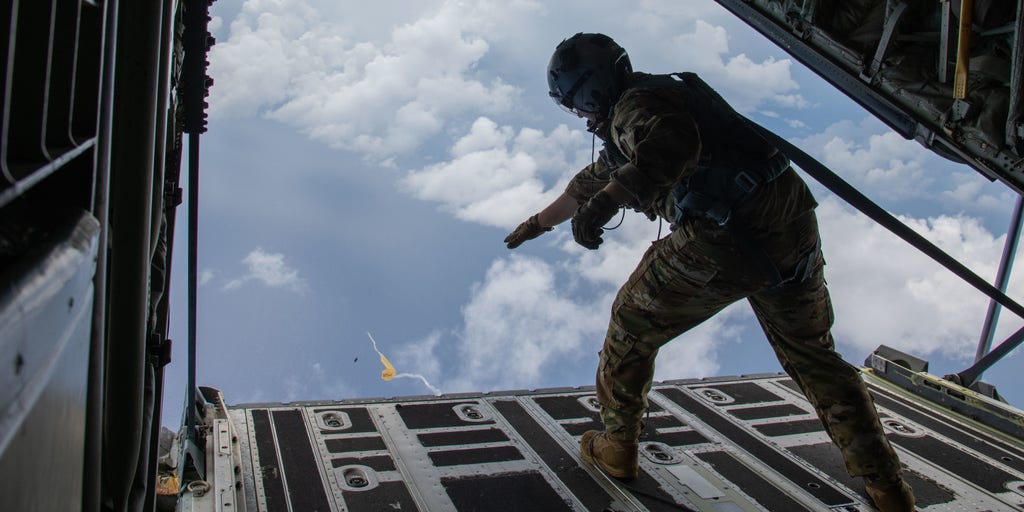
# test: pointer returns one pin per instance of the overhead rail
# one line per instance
(195, 87)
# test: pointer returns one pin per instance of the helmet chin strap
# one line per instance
(598, 127)
(599, 124)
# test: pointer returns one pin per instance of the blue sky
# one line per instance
(364, 162)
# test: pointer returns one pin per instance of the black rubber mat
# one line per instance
(301, 471)
(790, 427)
(420, 416)
(374, 462)
(768, 411)
(957, 461)
(769, 496)
(554, 456)
(490, 435)
(827, 458)
(519, 492)
(355, 444)
(803, 478)
(268, 469)
(747, 393)
(472, 456)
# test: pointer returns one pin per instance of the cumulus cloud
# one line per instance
(621, 251)
(271, 270)
(378, 97)
(496, 176)
(695, 354)
(886, 292)
(887, 167)
(747, 84)
(385, 88)
(495, 172)
(523, 331)
(666, 16)
(875, 159)
(965, 190)
(519, 325)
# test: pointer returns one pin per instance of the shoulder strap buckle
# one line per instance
(746, 182)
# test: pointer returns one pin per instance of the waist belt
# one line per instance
(716, 191)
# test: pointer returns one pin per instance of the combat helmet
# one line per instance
(587, 72)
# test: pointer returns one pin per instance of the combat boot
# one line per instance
(890, 494)
(615, 453)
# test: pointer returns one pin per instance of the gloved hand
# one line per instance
(528, 230)
(590, 217)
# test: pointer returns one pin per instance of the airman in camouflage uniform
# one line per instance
(764, 249)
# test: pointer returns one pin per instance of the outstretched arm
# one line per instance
(559, 211)
(563, 208)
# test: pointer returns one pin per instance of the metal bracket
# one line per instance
(159, 350)
(914, 364)
(892, 19)
(969, 376)
(974, 401)
(193, 461)
(961, 110)
(193, 454)
(173, 197)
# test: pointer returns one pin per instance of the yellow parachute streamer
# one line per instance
(389, 371)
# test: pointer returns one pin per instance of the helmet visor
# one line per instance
(567, 100)
(563, 102)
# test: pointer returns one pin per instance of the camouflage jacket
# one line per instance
(652, 127)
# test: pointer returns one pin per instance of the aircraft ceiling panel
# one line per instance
(902, 62)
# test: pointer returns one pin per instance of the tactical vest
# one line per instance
(734, 160)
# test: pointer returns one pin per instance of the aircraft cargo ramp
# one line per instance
(722, 444)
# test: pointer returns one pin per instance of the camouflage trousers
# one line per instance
(684, 280)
